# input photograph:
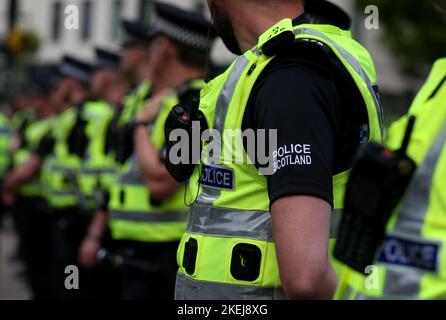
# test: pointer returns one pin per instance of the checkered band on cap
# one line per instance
(188, 37)
(72, 71)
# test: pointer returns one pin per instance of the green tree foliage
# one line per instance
(414, 30)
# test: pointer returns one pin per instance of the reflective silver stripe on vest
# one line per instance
(236, 223)
(64, 169)
(209, 195)
(99, 171)
(6, 132)
(61, 193)
(208, 220)
(131, 178)
(355, 64)
(149, 217)
(405, 282)
(189, 289)
(133, 175)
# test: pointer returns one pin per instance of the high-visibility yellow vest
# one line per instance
(233, 219)
(33, 135)
(135, 102)
(411, 262)
(59, 170)
(23, 118)
(6, 134)
(132, 216)
(98, 169)
(72, 180)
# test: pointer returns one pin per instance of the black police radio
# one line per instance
(183, 118)
(378, 181)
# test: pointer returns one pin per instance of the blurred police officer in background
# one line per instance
(146, 211)
(23, 116)
(326, 12)
(23, 190)
(136, 66)
(6, 137)
(409, 257)
(77, 148)
(316, 86)
(98, 163)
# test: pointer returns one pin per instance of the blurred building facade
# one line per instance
(99, 24)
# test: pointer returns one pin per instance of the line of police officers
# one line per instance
(77, 162)
(89, 185)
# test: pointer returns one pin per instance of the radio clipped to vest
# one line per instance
(377, 183)
(78, 140)
(180, 118)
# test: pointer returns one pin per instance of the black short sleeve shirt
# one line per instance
(318, 122)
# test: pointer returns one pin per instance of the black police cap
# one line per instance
(75, 68)
(106, 59)
(322, 11)
(184, 26)
(41, 82)
(136, 33)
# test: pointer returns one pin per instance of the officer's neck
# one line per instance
(248, 27)
(176, 74)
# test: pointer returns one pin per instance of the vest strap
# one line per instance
(355, 64)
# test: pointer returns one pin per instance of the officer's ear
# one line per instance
(162, 48)
(170, 50)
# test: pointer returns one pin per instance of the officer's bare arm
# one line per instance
(23, 173)
(301, 227)
(93, 240)
(158, 179)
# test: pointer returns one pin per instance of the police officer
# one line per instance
(98, 167)
(24, 114)
(136, 66)
(147, 212)
(112, 87)
(408, 260)
(267, 236)
(6, 134)
(60, 170)
(25, 192)
(23, 117)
